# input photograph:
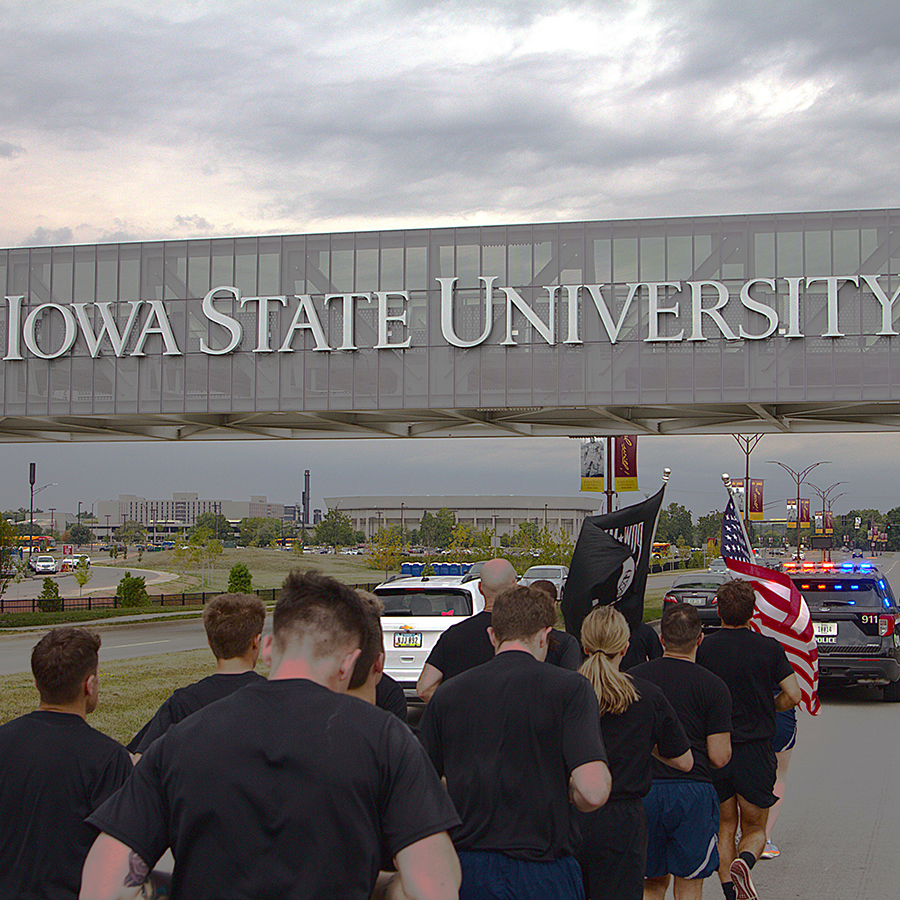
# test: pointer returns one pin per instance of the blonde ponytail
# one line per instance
(604, 635)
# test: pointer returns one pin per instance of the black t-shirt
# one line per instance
(643, 645)
(283, 789)
(702, 703)
(564, 650)
(507, 735)
(466, 645)
(56, 770)
(389, 696)
(630, 737)
(462, 646)
(187, 700)
(752, 665)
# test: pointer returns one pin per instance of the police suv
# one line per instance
(855, 620)
(417, 611)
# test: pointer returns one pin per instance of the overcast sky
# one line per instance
(136, 121)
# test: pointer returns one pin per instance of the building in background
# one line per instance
(502, 514)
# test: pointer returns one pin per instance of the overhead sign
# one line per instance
(673, 312)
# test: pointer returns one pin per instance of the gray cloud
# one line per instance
(43, 237)
(10, 151)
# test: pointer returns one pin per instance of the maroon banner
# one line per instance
(756, 499)
(804, 514)
(626, 477)
(829, 522)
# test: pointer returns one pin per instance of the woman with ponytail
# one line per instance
(637, 721)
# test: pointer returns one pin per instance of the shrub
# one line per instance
(132, 591)
(239, 579)
(49, 599)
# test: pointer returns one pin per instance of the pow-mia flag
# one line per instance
(611, 563)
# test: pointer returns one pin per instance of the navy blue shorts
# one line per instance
(683, 828)
(488, 875)
(785, 730)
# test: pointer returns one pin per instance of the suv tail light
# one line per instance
(670, 598)
(886, 625)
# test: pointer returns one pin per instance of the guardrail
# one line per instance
(188, 598)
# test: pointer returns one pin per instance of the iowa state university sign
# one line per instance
(672, 311)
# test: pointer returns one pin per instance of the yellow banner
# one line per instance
(592, 484)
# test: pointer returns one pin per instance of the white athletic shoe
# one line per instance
(744, 889)
(770, 852)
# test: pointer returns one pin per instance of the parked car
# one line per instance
(70, 562)
(699, 589)
(556, 574)
(718, 567)
(43, 565)
(417, 611)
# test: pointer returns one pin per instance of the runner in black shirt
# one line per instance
(288, 788)
(636, 720)
(56, 771)
(234, 624)
(643, 645)
(515, 738)
(369, 681)
(564, 648)
(683, 808)
(753, 666)
(467, 644)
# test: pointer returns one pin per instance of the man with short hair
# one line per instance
(286, 788)
(369, 681)
(56, 771)
(517, 740)
(234, 624)
(683, 808)
(757, 672)
(564, 649)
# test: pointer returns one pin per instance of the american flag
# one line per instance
(781, 612)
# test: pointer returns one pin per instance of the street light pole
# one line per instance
(824, 495)
(31, 479)
(799, 478)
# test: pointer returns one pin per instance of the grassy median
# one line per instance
(131, 690)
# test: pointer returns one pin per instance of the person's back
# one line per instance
(514, 737)
(234, 624)
(286, 788)
(56, 770)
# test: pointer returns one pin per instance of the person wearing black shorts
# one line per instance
(286, 788)
(753, 666)
(516, 740)
(683, 808)
(636, 721)
(56, 771)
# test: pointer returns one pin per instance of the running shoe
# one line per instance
(770, 852)
(744, 889)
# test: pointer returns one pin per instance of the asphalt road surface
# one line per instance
(104, 580)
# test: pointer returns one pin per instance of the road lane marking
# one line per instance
(142, 644)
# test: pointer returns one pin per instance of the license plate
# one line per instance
(825, 628)
(695, 601)
(408, 639)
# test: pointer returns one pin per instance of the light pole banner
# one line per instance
(804, 514)
(792, 514)
(829, 522)
(626, 463)
(756, 499)
(737, 486)
(593, 465)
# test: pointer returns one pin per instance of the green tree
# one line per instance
(8, 552)
(335, 529)
(81, 534)
(218, 526)
(386, 550)
(206, 550)
(555, 549)
(49, 599)
(437, 530)
(526, 536)
(675, 521)
(82, 573)
(239, 579)
(130, 532)
(132, 591)
(709, 526)
(256, 531)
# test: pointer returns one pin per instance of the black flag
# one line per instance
(611, 563)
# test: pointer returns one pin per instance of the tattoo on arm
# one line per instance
(138, 871)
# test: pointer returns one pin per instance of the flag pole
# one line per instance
(726, 480)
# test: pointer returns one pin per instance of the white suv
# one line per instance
(417, 611)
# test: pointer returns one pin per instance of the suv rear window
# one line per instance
(864, 593)
(425, 602)
(543, 573)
